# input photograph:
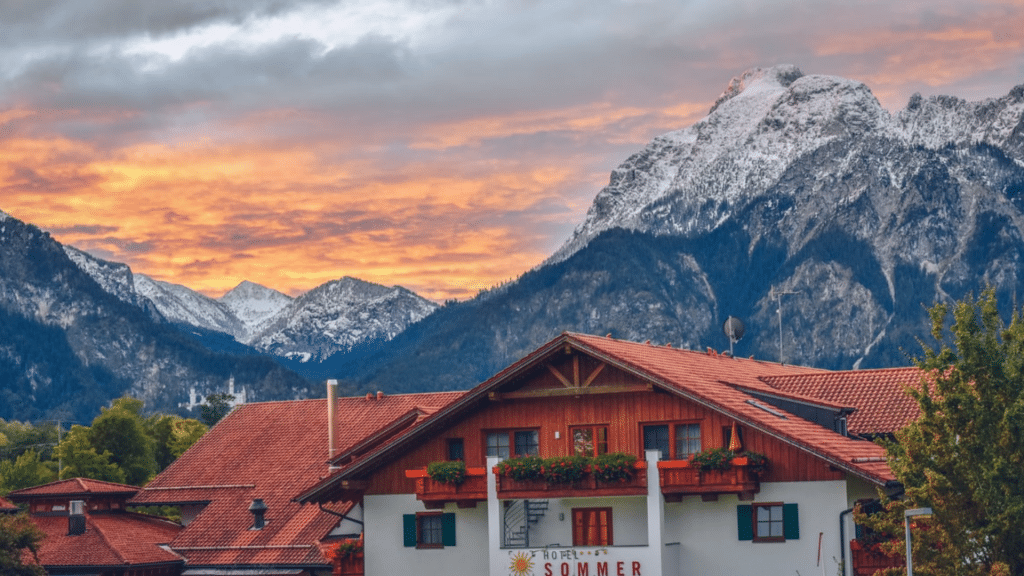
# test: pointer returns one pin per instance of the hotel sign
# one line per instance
(576, 562)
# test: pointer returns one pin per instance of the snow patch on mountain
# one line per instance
(253, 303)
(185, 306)
(690, 181)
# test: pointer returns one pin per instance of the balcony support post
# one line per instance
(655, 514)
(494, 524)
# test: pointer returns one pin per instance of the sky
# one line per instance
(446, 146)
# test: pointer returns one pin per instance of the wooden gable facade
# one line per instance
(571, 389)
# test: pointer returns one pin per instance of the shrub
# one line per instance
(447, 472)
(564, 469)
(714, 459)
(521, 467)
(614, 467)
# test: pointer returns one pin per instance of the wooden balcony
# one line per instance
(588, 487)
(434, 494)
(866, 560)
(679, 478)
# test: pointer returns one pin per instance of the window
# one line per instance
(429, 530)
(592, 527)
(678, 441)
(687, 440)
(590, 440)
(525, 442)
(456, 449)
(768, 522)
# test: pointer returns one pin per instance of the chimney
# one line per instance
(76, 518)
(332, 402)
(258, 509)
(380, 394)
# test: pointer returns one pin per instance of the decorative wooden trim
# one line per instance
(565, 381)
(593, 375)
(570, 391)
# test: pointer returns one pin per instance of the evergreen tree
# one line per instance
(216, 407)
(964, 456)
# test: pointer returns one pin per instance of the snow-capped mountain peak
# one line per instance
(253, 303)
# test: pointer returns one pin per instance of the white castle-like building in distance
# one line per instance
(237, 398)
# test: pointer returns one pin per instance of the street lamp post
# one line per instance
(907, 515)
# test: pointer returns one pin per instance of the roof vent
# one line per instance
(380, 394)
(258, 509)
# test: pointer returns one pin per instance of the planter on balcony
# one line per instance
(435, 494)
(679, 477)
(512, 489)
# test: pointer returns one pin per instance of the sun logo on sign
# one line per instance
(522, 564)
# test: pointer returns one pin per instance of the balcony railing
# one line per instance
(588, 486)
(867, 559)
(681, 478)
(434, 494)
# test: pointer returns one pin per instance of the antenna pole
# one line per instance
(777, 296)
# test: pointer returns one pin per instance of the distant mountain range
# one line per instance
(796, 192)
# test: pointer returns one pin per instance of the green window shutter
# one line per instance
(745, 521)
(448, 529)
(790, 522)
(409, 529)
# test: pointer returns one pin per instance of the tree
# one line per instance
(120, 430)
(185, 433)
(19, 535)
(81, 460)
(964, 455)
(216, 407)
(25, 472)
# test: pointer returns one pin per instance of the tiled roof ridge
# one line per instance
(110, 546)
(709, 352)
(83, 488)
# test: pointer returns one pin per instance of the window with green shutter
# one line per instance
(768, 522)
(428, 530)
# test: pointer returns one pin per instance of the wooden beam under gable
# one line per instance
(554, 392)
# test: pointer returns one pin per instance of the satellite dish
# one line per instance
(734, 330)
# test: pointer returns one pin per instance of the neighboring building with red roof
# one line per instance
(580, 394)
(88, 531)
(7, 507)
(254, 462)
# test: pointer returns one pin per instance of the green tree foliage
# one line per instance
(23, 436)
(964, 456)
(81, 460)
(184, 433)
(121, 431)
(25, 472)
(216, 407)
(19, 535)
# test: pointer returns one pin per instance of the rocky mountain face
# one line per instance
(68, 346)
(799, 191)
(331, 318)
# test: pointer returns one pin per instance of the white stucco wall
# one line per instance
(387, 554)
(629, 520)
(709, 545)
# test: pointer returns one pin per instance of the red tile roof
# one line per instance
(110, 539)
(7, 506)
(270, 451)
(710, 379)
(74, 487)
(882, 405)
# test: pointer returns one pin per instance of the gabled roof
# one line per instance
(269, 451)
(882, 405)
(74, 487)
(709, 379)
(7, 506)
(110, 539)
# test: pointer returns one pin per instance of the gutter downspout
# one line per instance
(842, 539)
